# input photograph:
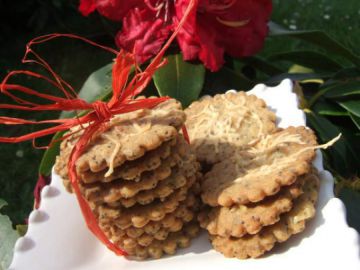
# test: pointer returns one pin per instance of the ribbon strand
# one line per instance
(99, 113)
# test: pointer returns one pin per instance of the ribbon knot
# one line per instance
(122, 101)
(102, 110)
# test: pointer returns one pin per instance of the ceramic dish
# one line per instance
(57, 238)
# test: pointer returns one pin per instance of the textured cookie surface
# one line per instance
(174, 171)
(155, 230)
(132, 170)
(157, 248)
(291, 223)
(165, 188)
(239, 220)
(128, 136)
(140, 215)
(216, 125)
(251, 175)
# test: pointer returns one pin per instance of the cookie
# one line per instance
(110, 192)
(291, 223)
(217, 125)
(239, 220)
(156, 230)
(119, 191)
(157, 248)
(260, 171)
(97, 190)
(128, 137)
(140, 215)
(164, 189)
(132, 170)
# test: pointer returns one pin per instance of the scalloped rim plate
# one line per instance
(58, 239)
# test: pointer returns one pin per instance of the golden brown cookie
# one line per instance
(113, 191)
(132, 170)
(127, 137)
(260, 171)
(239, 220)
(217, 125)
(140, 215)
(290, 223)
(165, 188)
(155, 230)
(110, 192)
(157, 248)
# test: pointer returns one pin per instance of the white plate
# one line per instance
(57, 238)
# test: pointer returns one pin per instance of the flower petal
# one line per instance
(211, 53)
(247, 38)
(142, 33)
(116, 10)
(86, 7)
(187, 36)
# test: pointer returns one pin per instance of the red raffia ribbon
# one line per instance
(99, 114)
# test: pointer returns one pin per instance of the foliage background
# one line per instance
(19, 22)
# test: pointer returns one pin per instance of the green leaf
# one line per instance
(180, 79)
(342, 90)
(355, 119)
(343, 159)
(351, 199)
(96, 85)
(347, 73)
(21, 229)
(8, 238)
(324, 107)
(259, 64)
(353, 106)
(298, 77)
(310, 59)
(225, 79)
(316, 37)
(48, 159)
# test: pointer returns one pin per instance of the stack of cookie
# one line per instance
(260, 187)
(140, 178)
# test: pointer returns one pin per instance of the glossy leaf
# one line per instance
(356, 120)
(298, 77)
(8, 238)
(310, 59)
(225, 79)
(324, 107)
(343, 159)
(49, 157)
(96, 85)
(351, 199)
(316, 37)
(343, 90)
(180, 79)
(347, 73)
(259, 64)
(352, 106)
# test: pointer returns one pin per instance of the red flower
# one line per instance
(87, 6)
(235, 27)
(143, 33)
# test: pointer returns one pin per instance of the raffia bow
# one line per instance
(99, 113)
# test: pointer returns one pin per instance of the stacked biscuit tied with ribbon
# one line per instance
(259, 186)
(140, 178)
